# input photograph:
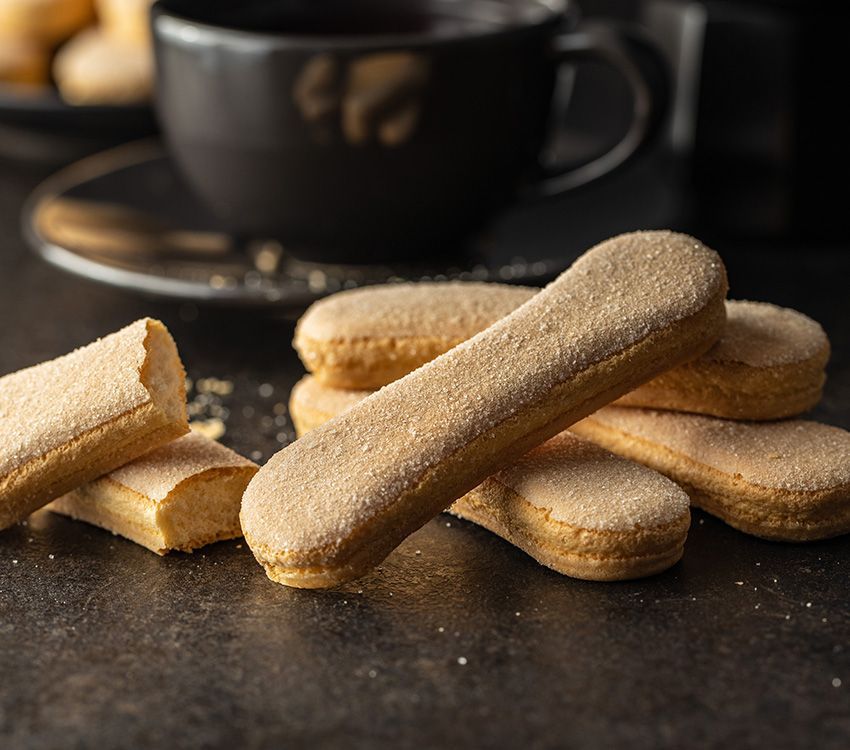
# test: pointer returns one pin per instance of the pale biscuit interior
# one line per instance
(178, 497)
(66, 421)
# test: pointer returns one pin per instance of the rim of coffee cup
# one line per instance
(173, 24)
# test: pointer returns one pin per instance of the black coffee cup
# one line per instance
(380, 129)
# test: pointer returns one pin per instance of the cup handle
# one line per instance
(632, 53)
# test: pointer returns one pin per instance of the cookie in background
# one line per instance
(23, 63)
(126, 20)
(95, 59)
(95, 68)
(44, 23)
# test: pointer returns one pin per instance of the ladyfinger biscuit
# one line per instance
(181, 496)
(75, 418)
(333, 504)
(45, 22)
(583, 511)
(23, 63)
(768, 364)
(311, 404)
(366, 338)
(786, 481)
(125, 20)
(94, 69)
(568, 503)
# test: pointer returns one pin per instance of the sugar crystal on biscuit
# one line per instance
(763, 335)
(795, 455)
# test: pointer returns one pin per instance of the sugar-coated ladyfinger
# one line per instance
(768, 364)
(366, 338)
(75, 418)
(787, 481)
(583, 511)
(570, 504)
(332, 505)
(311, 404)
(181, 496)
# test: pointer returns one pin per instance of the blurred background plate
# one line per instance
(40, 126)
(125, 218)
(46, 110)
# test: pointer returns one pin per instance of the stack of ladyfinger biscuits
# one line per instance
(578, 422)
(101, 435)
(707, 419)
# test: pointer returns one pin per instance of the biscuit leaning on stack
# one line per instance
(100, 429)
(628, 309)
(768, 364)
(570, 504)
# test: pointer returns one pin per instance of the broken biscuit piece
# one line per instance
(182, 496)
(78, 417)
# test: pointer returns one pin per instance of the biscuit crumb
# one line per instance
(211, 428)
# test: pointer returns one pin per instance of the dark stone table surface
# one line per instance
(458, 640)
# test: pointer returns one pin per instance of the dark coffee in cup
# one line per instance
(377, 130)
